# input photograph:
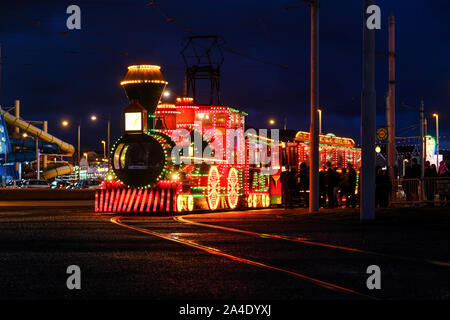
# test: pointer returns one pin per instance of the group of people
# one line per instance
(430, 170)
(334, 186)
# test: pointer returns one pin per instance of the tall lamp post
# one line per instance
(368, 120)
(437, 139)
(314, 128)
(66, 123)
(108, 119)
(104, 149)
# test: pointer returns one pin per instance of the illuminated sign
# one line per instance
(431, 146)
(133, 121)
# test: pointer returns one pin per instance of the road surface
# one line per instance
(249, 255)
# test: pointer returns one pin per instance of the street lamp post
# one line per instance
(368, 120)
(108, 119)
(104, 149)
(437, 139)
(66, 123)
(314, 128)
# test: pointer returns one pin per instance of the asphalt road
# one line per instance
(249, 255)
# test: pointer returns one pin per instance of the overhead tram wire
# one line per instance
(285, 67)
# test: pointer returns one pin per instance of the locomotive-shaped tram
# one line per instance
(183, 157)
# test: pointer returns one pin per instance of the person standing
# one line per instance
(331, 183)
(284, 177)
(352, 175)
(304, 183)
(322, 187)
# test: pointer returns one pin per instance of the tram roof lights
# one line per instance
(144, 66)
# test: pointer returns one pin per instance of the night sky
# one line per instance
(69, 76)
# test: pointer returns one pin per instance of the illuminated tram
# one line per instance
(183, 157)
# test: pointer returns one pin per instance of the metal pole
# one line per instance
(79, 145)
(314, 129)
(38, 166)
(437, 141)
(320, 121)
(17, 133)
(422, 139)
(391, 105)
(0, 72)
(109, 131)
(368, 121)
(45, 128)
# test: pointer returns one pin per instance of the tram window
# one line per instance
(330, 156)
(293, 156)
(221, 118)
(349, 156)
(358, 160)
(340, 158)
(306, 156)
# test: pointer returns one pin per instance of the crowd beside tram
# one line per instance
(339, 187)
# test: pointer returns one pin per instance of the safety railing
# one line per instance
(431, 190)
(406, 191)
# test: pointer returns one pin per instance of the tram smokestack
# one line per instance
(146, 84)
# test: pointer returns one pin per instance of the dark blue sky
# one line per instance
(59, 77)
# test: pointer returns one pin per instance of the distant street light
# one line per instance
(108, 119)
(377, 149)
(166, 93)
(66, 123)
(271, 122)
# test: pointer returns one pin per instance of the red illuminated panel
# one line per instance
(130, 202)
(100, 206)
(144, 197)
(96, 200)
(149, 204)
(120, 197)
(105, 209)
(233, 188)
(213, 188)
(155, 203)
(111, 200)
(168, 200)
(138, 199)
(125, 202)
(161, 204)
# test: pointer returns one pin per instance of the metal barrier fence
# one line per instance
(434, 190)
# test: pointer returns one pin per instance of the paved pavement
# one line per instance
(263, 254)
